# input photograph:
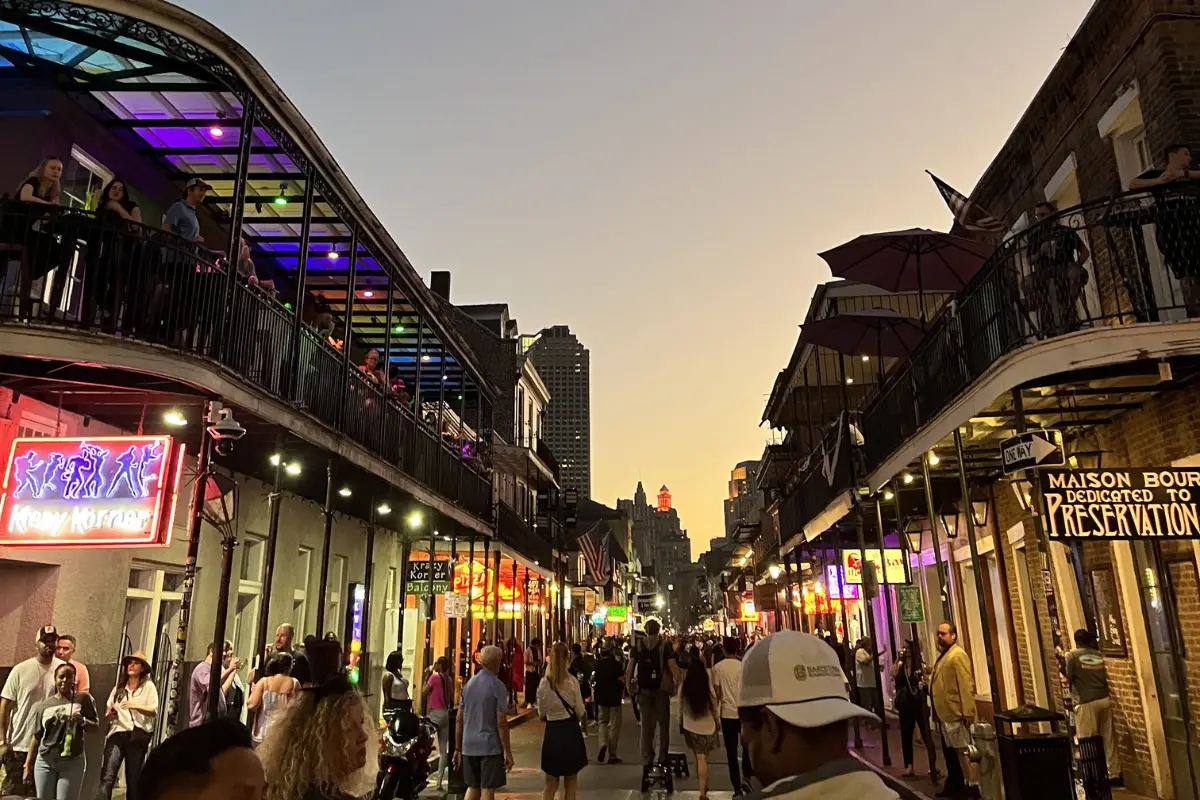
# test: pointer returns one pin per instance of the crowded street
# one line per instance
(707, 400)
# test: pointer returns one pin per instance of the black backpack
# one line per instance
(649, 666)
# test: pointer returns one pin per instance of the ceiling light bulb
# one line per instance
(216, 132)
(888, 494)
(933, 459)
(292, 469)
(332, 255)
(345, 491)
(384, 509)
(275, 459)
(280, 201)
(174, 419)
(368, 293)
(425, 358)
(908, 478)
(849, 380)
(866, 358)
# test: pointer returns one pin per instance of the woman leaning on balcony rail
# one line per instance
(113, 248)
(24, 233)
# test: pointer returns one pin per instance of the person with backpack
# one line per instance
(913, 707)
(653, 674)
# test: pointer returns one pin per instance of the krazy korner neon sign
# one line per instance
(104, 491)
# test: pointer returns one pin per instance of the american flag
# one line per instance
(966, 213)
(594, 546)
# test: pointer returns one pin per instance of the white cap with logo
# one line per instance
(798, 678)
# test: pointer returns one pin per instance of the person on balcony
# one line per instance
(42, 187)
(1056, 256)
(169, 297)
(1177, 225)
(370, 367)
(112, 281)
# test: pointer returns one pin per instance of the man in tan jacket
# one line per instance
(953, 689)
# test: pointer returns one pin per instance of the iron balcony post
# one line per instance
(931, 512)
(887, 595)
(429, 601)
(907, 545)
(195, 521)
(980, 592)
(264, 601)
(405, 552)
(326, 542)
(293, 386)
(348, 330)
(1043, 549)
(364, 659)
(217, 668)
(236, 215)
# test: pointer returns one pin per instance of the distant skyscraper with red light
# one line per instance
(664, 499)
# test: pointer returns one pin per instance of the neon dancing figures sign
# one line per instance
(99, 492)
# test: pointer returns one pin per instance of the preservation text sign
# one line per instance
(116, 491)
(1134, 503)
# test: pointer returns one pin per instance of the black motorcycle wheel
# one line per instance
(387, 789)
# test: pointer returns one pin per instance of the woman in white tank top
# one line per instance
(395, 685)
(271, 695)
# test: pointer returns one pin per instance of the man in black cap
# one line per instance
(29, 683)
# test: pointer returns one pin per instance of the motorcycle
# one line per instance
(404, 758)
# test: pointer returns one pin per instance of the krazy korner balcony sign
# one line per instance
(94, 492)
(1131, 503)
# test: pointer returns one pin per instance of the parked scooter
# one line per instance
(404, 762)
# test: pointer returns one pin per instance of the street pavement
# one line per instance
(616, 782)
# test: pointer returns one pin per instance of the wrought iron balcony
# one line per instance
(1143, 266)
(547, 456)
(133, 282)
(515, 532)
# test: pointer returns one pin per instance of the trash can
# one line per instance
(1093, 769)
(1036, 766)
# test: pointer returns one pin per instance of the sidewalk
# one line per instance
(920, 787)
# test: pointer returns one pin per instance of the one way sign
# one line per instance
(1032, 449)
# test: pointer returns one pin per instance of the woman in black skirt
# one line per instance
(560, 704)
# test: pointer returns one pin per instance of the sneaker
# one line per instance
(603, 752)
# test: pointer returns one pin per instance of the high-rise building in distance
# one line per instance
(565, 366)
(745, 502)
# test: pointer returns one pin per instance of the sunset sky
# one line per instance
(659, 176)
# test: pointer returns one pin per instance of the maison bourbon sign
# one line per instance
(1132, 503)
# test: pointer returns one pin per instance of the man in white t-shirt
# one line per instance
(727, 678)
(28, 684)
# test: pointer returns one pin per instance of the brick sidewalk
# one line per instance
(920, 787)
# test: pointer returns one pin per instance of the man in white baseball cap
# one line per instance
(794, 707)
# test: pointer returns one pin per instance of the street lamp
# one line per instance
(979, 508)
(949, 516)
(659, 602)
(775, 570)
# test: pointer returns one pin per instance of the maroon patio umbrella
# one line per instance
(917, 260)
(878, 332)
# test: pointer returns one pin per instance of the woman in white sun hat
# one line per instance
(794, 708)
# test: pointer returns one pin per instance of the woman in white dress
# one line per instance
(560, 704)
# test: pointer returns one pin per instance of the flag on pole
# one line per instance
(966, 213)
(594, 546)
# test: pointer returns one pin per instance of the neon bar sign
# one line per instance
(354, 631)
(107, 491)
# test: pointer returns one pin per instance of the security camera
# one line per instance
(224, 429)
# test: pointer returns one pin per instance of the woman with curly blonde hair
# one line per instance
(317, 750)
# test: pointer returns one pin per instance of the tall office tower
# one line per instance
(745, 502)
(565, 366)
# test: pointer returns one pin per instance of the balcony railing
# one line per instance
(547, 456)
(70, 268)
(1144, 266)
(519, 535)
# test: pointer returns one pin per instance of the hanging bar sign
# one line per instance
(1132, 503)
(106, 491)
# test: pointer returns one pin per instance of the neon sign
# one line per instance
(354, 630)
(107, 491)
